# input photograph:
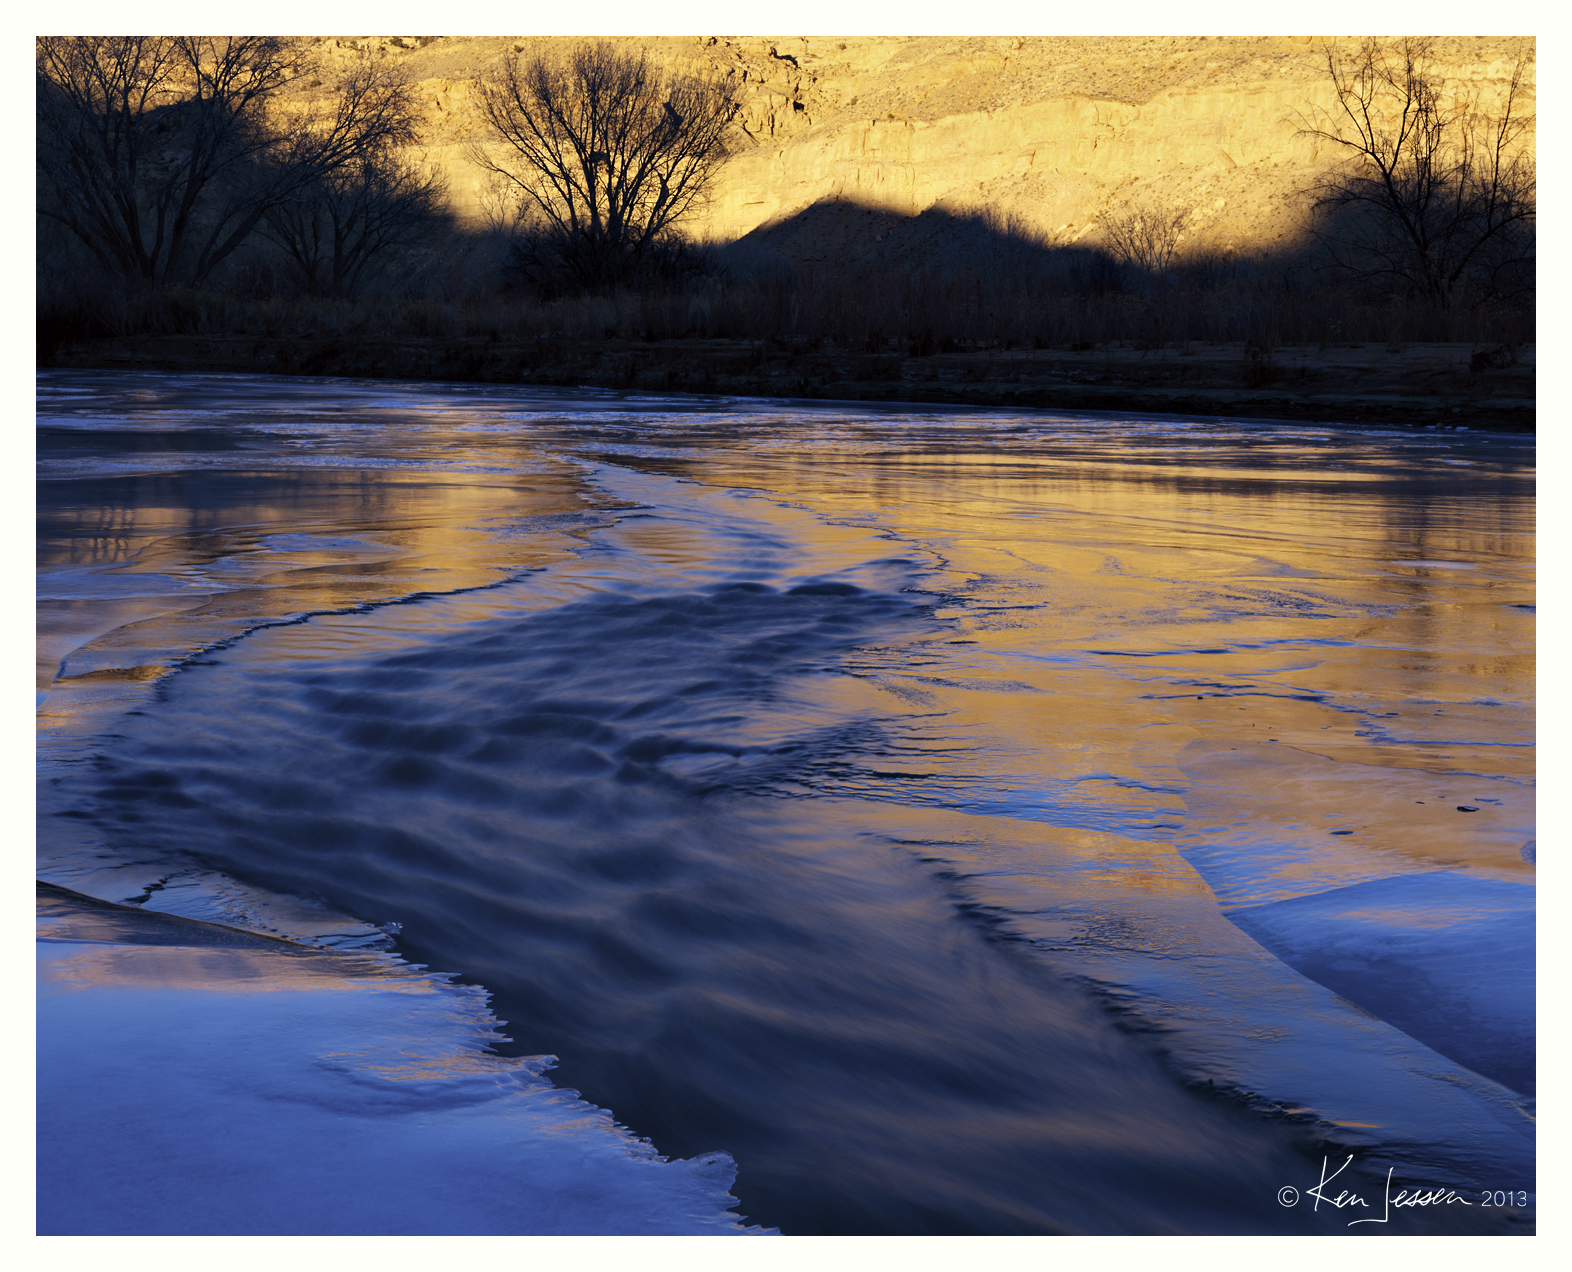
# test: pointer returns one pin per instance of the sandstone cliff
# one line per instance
(1055, 132)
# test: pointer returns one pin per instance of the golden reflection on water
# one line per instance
(1324, 656)
(203, 557)
(217, 971)
(1128, 613)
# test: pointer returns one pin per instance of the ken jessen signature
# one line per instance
(1345, 1198)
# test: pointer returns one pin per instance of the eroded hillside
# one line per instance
(1055, 132)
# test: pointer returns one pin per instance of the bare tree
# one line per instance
(337, 229)
(607, 149)
(1437, 191)
(1145, 238)
(161, 154)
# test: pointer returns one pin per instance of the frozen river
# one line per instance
(968, 822)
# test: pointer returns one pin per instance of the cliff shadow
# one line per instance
(866, 275)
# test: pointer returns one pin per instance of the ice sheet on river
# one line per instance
(199, 1080)
(1331, 866)
(1446, 957)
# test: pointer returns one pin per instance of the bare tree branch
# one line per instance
(1145, 238)
(1436, 193)
(161, 154)
(607, 149)
(338, 230)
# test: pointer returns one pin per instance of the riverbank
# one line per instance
(1409, 385)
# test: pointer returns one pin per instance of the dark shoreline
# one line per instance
(1415, 387)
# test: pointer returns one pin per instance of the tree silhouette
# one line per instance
(1437, 191)
(606, 150)
(1145, 238)
(337, 230)
(161, 154)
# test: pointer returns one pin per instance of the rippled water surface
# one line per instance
(972, 823)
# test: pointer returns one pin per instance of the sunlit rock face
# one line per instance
(1057, 133)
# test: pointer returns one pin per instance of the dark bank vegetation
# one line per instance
(457, 285)
(188, 207)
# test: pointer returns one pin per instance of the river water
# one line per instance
(971, 822)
